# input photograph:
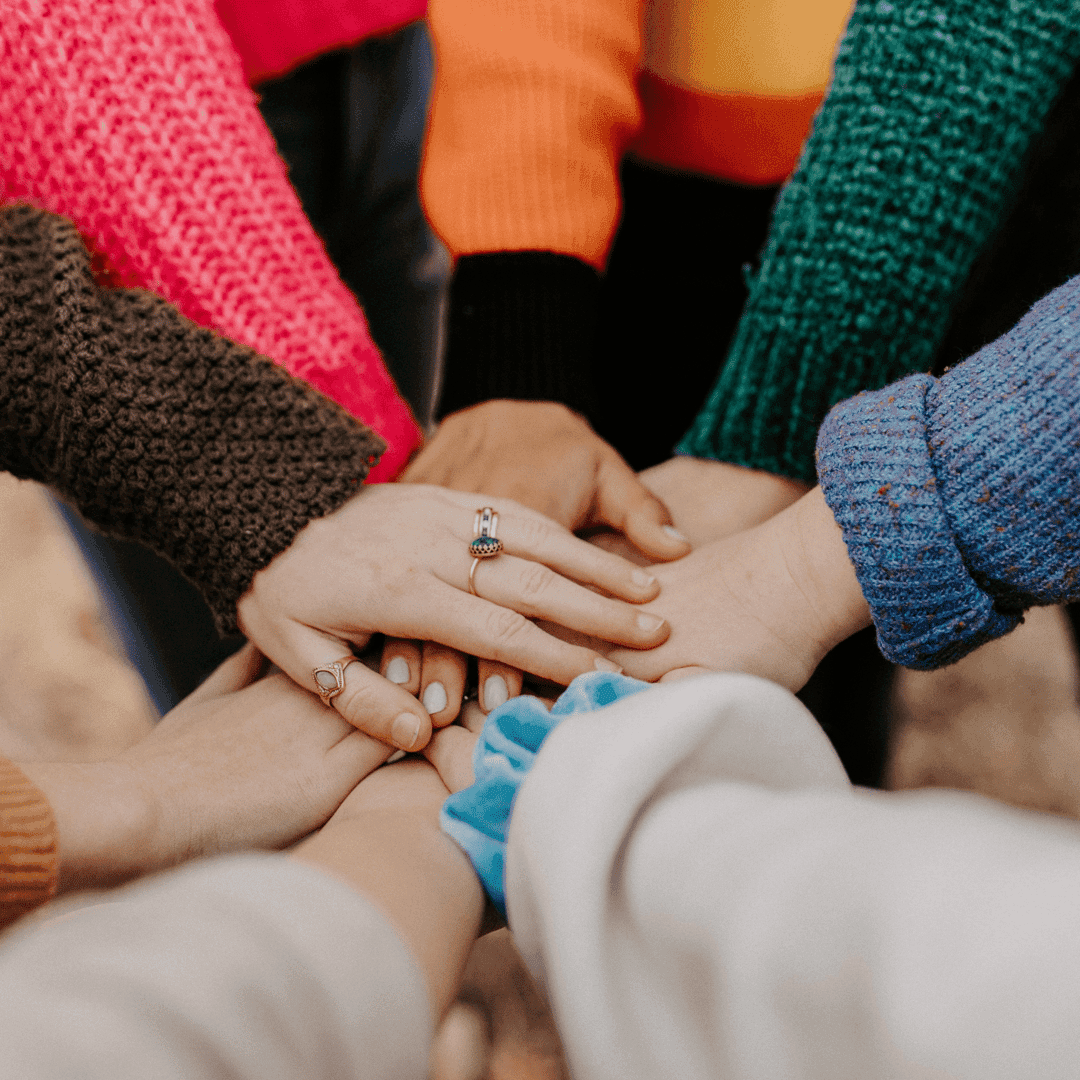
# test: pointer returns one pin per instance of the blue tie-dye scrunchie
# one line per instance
(478, 817)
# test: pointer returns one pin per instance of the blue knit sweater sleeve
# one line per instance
(959, 498)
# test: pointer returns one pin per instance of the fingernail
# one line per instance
(649, 623)
(397, 671)
(495, 692)
(435, 697)
(639, 577)
(601, 663)
(405, 730)
(676, 535)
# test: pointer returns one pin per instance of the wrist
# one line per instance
(104, 822)
(813, 548)
(521, 326)
(401, 862)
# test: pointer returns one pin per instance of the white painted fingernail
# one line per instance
(397, 671)
(639, 577)
(405, 730)
(676, 535)
(601, 663)
(435, 698)
(495, 692)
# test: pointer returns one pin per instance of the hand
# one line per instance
(546, 457)
(770, 601)
(237, 764)
(437, 674)
(395, 560)
(713, 499)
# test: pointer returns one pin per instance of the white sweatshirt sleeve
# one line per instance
(705, 896)
(251, 966)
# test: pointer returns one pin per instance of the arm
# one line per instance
(334, 962)
(157, 430)
(717, 900)
(957, 496)
(165, 433)
(164, 164)
(532, 106)
(241, 763)
(875, 234)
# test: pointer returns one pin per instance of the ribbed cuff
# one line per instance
(521, 326)
(877, 475)
(28, 861)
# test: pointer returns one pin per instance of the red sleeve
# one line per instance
(134, 121)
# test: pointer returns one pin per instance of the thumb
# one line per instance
(624, 503)
(369, 702)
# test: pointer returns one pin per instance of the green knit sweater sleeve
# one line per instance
(156, 429)
(908, 171)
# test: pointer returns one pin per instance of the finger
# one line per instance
(451, 752)
(472, 717)
(479, 628)
(240, 670)
(498, 684)
(534, 537)
(401, 663)
(538, 592)
(369, 702)
(442, 682)
(624, 503)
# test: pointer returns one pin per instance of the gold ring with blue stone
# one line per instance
(485, 545)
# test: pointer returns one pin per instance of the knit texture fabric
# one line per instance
(521, 325)
(133, 119)
(274, 36)
(959, 498)
(155, 429)
(28, 863)
(908, 170)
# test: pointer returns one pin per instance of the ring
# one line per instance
(330, 678)
(485, 545)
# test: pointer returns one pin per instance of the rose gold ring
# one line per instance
(330, 678)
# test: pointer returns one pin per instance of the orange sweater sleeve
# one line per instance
(28, 863)
(532, 106)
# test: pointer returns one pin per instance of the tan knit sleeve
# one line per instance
(28, 865)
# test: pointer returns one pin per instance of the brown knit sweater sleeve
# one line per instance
(28, 864)
(155, 429)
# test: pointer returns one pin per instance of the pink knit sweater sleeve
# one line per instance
(132, 118)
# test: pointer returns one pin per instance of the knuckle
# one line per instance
(534, 532)
(505, 627)
(535, 580)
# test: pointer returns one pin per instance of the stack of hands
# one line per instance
(693, 565)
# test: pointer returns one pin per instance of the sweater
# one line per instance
(533, 106)
(274, 36)
(135, 121)
(700, 892)
(958, 496)
(909, 169)
(158, 431)
(155, 429)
